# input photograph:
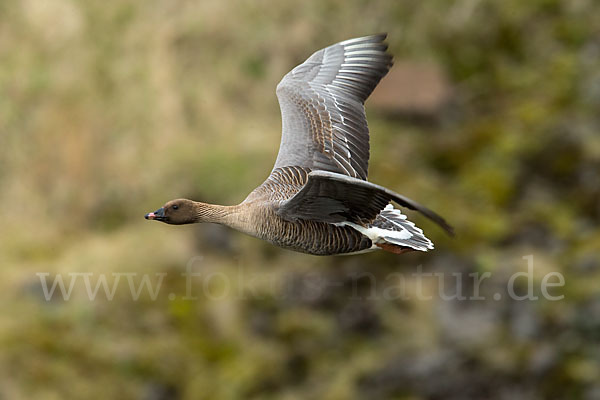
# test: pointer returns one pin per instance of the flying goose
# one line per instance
(317, 199)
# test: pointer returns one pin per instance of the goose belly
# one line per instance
(317, 238)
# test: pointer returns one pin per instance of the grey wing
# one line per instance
(333, 198)
(324, 126)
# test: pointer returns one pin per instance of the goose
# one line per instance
(317, 199)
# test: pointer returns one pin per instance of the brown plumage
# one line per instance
(317, 199)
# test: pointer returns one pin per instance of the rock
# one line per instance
(359, 317)
(214, 237)
(413, 88)
(159, 391)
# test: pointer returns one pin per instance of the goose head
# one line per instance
(175, 212)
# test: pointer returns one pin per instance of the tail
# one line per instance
(392, 232)
(396, 234)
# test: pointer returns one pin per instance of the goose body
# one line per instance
(317, 199)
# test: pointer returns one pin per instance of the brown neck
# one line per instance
(215, 213)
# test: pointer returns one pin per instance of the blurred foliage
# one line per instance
(108, 109)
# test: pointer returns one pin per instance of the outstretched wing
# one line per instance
(333, 198)
(324, 126)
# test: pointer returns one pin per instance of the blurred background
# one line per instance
(490, 116)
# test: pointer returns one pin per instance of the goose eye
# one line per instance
(175, 207)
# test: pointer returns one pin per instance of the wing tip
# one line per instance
(447, 227)
(438, 219)
(373, 38)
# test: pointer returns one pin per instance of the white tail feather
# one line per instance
(392, 227)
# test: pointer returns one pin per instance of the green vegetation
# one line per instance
(108, 109)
